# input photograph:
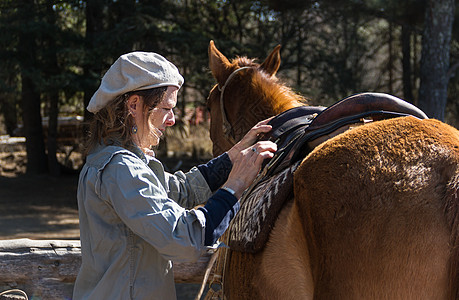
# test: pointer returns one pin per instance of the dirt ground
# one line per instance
(38, 207)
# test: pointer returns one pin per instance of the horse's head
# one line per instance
(246, 93)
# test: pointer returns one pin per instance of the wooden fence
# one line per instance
(47, 269)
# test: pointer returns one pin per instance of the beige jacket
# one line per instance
(133, 225)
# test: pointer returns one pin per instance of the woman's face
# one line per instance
(151, 127)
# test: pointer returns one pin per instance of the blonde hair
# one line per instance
(113, 123)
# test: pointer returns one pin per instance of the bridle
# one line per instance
(226, 126)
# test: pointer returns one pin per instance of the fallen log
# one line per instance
(47, 269)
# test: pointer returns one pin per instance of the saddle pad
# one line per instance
(249, 230)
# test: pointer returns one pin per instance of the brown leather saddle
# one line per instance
(296, 132)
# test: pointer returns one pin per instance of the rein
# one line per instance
(226, 126)
(218, 257)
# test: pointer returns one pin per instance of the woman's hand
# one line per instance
(247, 164)
(250, 138)
(247, 158)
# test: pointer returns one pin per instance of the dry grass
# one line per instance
(187, 141)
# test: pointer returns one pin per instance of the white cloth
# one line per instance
(132, 72)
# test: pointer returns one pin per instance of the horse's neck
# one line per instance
(286, 106)
(268, 100)
(250, 117)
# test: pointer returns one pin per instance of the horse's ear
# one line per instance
(272, 62)
(218, 63)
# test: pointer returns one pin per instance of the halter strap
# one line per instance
(226, 126)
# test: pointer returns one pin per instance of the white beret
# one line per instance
(132, 72)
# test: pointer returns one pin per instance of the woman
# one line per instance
(135, 219)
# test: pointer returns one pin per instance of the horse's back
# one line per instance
(381, 210)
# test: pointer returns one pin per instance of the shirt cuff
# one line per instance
(216, 171)
(219, 210)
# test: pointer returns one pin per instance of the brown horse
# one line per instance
(375, 213)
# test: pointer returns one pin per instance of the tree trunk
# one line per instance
(53, 164)
(406, 64)
(435, 57)
(299, 62)
(390, 65)
(9, 112)
(92, 65)
(33, 131)
(31, 115)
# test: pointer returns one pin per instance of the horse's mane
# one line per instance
(277, 94)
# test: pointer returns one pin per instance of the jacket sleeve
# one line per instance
(142, 203)
(188, 189)
(196, 186)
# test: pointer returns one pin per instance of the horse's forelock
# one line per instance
(243, 61)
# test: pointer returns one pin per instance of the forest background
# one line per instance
(54, 54)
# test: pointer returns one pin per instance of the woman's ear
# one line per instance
(133, 104)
